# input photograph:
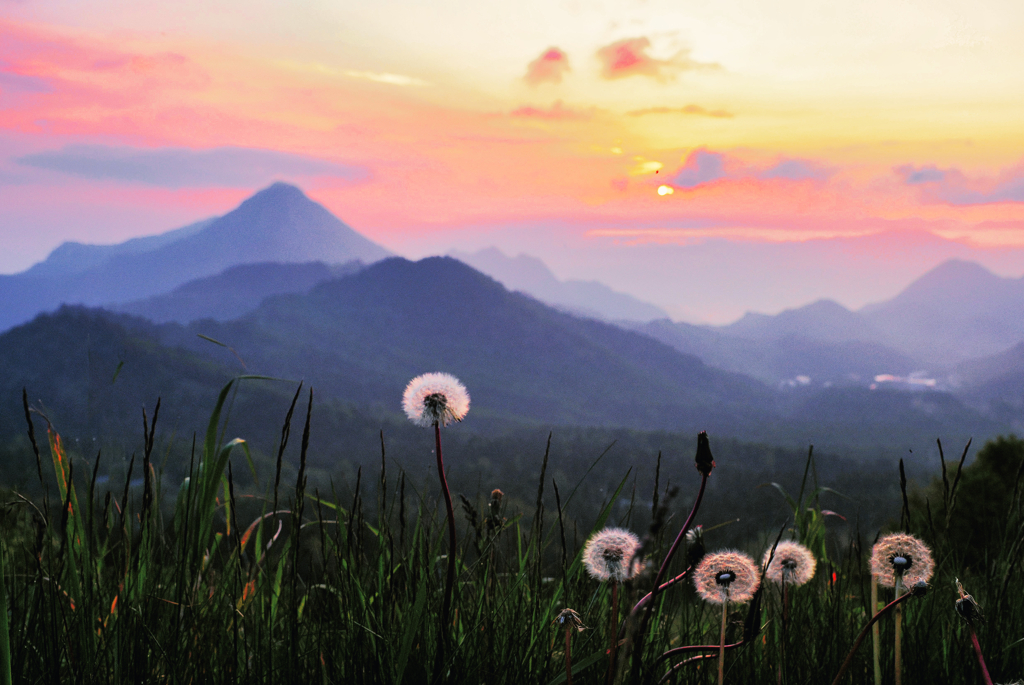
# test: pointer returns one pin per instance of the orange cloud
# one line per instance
(628, 57)
(548, 68)
(688, 109)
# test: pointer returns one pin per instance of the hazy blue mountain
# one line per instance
(235, 291)
(278, 224)
(954, 312)
(586, 298)
(364, 336)
(823, 320)
(359, 339)
(72, 258)
(778, 358)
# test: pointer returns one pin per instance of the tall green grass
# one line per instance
(294, 586)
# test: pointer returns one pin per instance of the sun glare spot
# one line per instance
(665, 190)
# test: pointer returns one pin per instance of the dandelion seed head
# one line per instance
(725, 575)
(610, 555)
(904, 555)
(435, 398)
(792, 564)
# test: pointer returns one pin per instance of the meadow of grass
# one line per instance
(297, 586)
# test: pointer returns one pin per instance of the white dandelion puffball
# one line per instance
(435, 398)
(727, 576)
(901, 555)
(792, 564)
(610, 555)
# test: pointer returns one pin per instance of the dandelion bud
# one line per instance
(704, 461)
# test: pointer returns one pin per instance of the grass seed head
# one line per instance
(610, 555)
(902, 555)
(792, 564)
(435, 398)
(567, 619)
(725, 575)
(967, 606)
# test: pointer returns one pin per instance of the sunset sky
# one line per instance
(599, 136)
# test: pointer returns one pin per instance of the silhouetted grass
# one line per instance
(293, 586)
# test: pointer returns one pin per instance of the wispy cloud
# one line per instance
(796, 170)
(704, 166)
(629, 57)
(692, 110)
(550, 67)
(388, 78)
(186, 168)
(557, 111)
(952, 186)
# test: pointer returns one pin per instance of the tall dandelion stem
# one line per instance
(437, 399)
(568, 656)
(875, 638)
(721, 642)
(898, 646)
(613, 632)
(450, 577)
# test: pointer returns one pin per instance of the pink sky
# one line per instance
(628, 126)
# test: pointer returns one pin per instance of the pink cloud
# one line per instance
(628, 57)
(557, 111)
(548, 68)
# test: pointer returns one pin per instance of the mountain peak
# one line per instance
(279, 191)
(955, 278)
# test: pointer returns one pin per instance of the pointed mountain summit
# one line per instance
(278, 224)
(956, 311)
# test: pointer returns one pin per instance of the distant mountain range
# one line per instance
(364, 336)
(358, 339)
(297, 294)
(278, 224)
(234, 292)
(927, 334)
(584, 298)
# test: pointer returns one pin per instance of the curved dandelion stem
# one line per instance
(668, 583)
(442, 637)
(981, 659)
(649, 598)
(863, 633)
(682, 531)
